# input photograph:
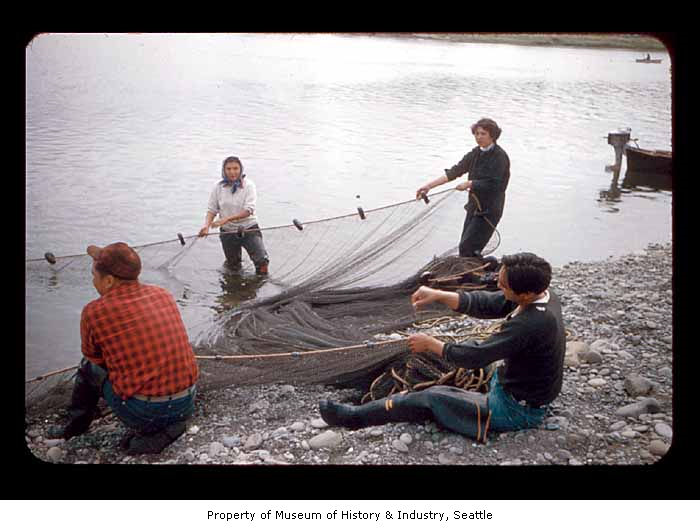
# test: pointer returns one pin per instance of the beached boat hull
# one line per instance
(651, 61)
(647, 167)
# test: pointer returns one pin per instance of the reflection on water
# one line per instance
(237, 287)
(648, 180)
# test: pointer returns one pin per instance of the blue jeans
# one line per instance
(507, 414)
(146, 416)
(251, 240)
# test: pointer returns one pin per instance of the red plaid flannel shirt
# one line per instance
(136, 332)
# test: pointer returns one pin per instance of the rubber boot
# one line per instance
(393, 409)
(154, 443)
(83, 404)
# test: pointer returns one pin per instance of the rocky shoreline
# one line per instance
(615, 407)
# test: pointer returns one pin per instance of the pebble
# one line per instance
(636, 385)
(406, 438)
(231, 441)
(592, 357)
(253, 441)
(54, 454)
(646, 405)
(399, 446)
(281, 431)
(318, 423)
(658, 447)
(597, 382)
(297, 426)
(664, 430)
(666, 372)
(325, 439)
(215, 448)
(447, 459)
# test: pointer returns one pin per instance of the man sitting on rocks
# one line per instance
(136, 355)
(531, 342)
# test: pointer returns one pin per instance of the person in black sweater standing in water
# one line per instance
(531, 343)
(488, 166)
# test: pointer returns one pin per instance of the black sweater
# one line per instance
(532, 344)
(490, 173)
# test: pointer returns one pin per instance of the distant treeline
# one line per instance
(586, 40)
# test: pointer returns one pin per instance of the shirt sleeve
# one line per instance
(511, 339)
(88, 346)
(484, 304)
(213, 205)
(251, 197)
(462, 167)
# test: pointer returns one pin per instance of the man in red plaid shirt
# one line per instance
(136, 355)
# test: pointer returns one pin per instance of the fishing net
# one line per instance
(337, 290)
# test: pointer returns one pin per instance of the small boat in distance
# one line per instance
(648, 59)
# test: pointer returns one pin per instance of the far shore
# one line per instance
(639, 42)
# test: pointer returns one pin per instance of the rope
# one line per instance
(145, 245)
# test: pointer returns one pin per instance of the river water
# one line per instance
(125, 135)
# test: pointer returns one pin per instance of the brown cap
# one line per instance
(117, 259)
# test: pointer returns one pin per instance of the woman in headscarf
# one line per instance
(233, 200)
(488, 166)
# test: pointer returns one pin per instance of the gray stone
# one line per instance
(231, 441)
(662, 429)
(446, 459)
(53, 442)
(591, 357)
(633, 410)
(325, 439)
(565, 455)
(406, 438)
(636, 385)
(597, 382)
(318, 423)
(54, 454)
(629, 433)
(281, 431)
(297, 426)
(601, 346)
(666, 372)
(618, 425)
(215, 448)
(658, 447)
(259, 405)
(253, 442)
(376, 433)
(399, 446)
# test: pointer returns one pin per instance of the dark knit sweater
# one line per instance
(490, 172)
(532, 344)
